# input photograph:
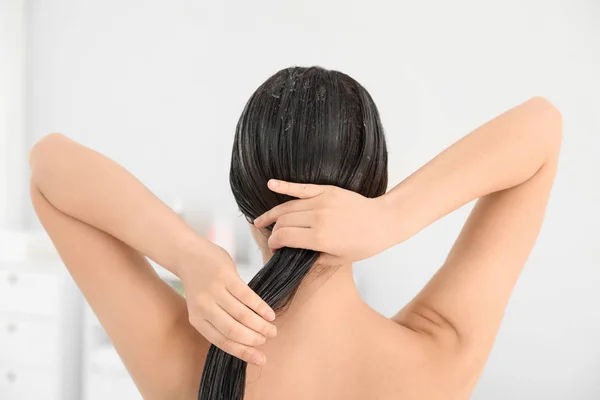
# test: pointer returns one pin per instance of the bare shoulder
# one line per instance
(404, 363)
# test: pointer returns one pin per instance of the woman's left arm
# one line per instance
(94, 189)
(103, 222)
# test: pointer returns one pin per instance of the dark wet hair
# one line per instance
(308, 125)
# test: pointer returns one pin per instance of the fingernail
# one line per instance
(274, 183)
(258, 359)
(270, 315)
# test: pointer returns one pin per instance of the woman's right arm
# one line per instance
(501, 154)
(509, 164)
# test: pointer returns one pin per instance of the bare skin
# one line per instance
(329, 343)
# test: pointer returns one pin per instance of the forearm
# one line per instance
(96, 190)
(500, 154)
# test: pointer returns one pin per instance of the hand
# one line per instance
(221, 306)
(339, 222)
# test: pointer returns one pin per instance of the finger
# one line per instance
(299, 238)
(301, 219)
(250, 299)
(299, 190)
(245, 353)
(233, 329)
(246, 316)
(288, 207)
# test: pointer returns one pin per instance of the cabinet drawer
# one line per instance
(29, 292)
(28, 342)
(22, 383)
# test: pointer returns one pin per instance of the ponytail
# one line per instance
(224, 376)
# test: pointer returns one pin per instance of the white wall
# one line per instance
(13, 188)
(159, 85)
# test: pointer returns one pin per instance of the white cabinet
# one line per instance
(27, 382)
(29, 291)
(35, 361)
(29, 341)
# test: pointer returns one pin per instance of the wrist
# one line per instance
(390, 206)
(189, 246)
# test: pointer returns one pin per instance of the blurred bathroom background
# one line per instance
(158, 86)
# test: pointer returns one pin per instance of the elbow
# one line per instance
(40, 151)
(42, 144)
(549, 110)
(552, 120)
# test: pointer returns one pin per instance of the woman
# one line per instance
(321, 129)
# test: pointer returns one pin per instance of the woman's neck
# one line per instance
(324, 292)
(324, 309)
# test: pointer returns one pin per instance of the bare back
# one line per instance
(344, 362)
